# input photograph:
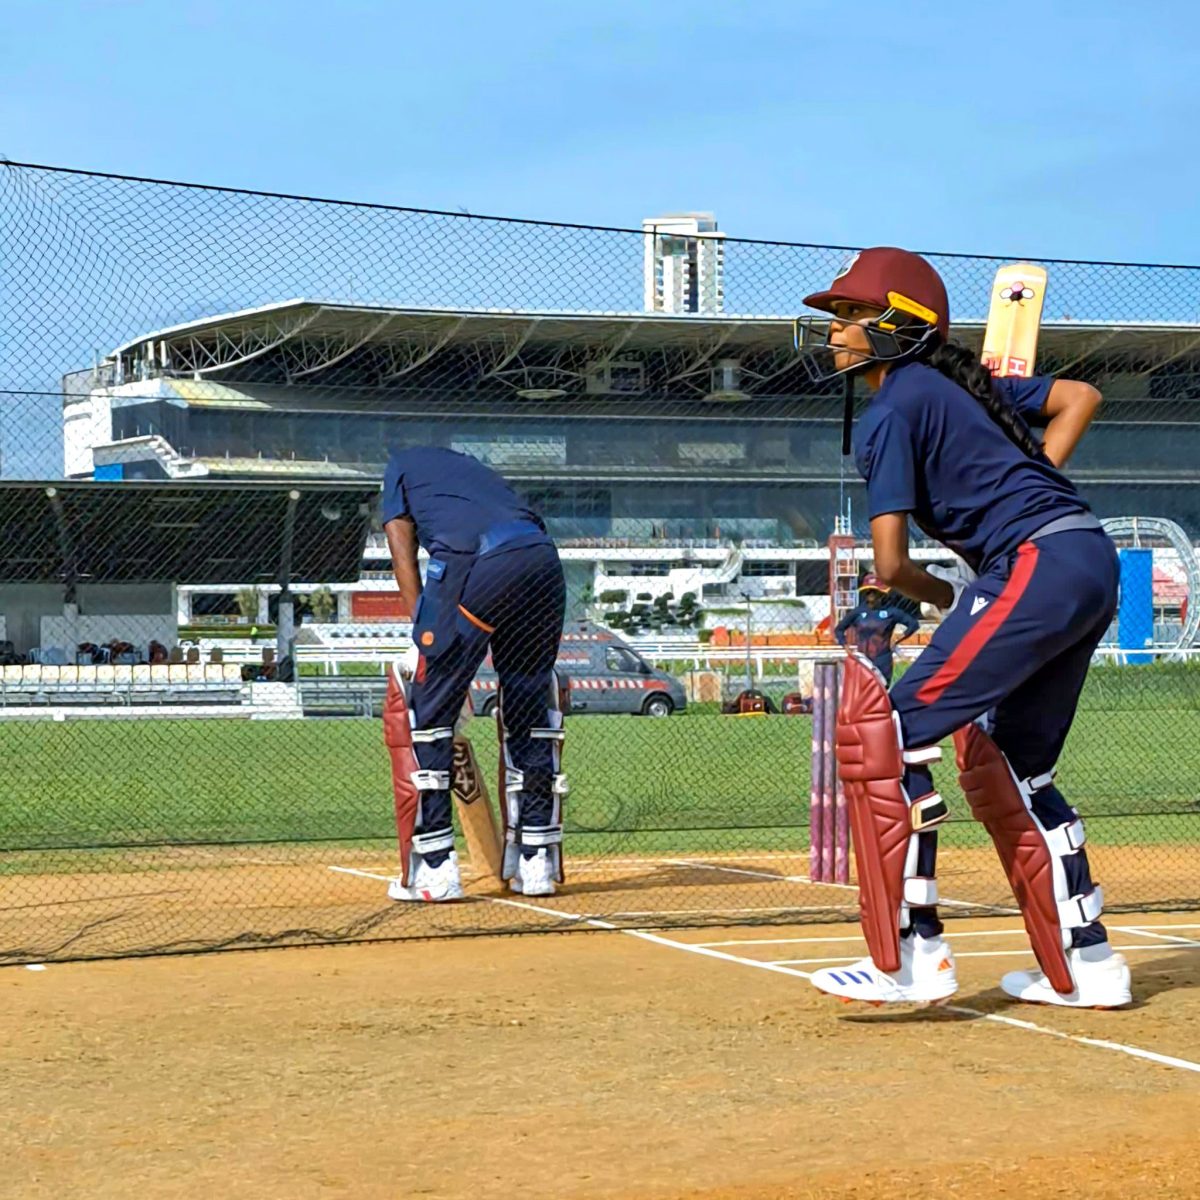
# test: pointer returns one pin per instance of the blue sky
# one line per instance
(1052, 129)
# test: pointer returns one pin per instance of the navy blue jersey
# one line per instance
(1027, 396)
(451, 497)
(870, 629)
(928, 448)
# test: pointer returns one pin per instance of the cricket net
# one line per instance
(199, 388)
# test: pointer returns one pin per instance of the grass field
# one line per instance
(698, 781)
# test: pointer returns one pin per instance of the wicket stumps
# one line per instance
(829, 822)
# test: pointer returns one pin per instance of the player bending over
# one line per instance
(493, 577)
(945, 445)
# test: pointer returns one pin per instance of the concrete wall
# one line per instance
(33, 614)
(133, 612)
(149, 599)
(23, 606)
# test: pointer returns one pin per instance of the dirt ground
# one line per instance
(593, 1065)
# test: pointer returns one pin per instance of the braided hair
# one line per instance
(961, 366)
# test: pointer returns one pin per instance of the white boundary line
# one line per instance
(1165, 1060)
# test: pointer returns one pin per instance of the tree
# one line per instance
(247, 603)
(323, 605)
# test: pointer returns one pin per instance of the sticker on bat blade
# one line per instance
(465, 778)
(1017, 291)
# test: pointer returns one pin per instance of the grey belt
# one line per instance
(507, 531)
(1083, 520)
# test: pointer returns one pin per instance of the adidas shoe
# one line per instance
(535, 876)
(431, 885)
(1101, 981)
(926, 976)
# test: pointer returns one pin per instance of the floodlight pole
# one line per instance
(285, 623)
(69, 567)
(749, 627)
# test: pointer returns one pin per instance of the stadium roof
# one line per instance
(305, 341)
(195, 532)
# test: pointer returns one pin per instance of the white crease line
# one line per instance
(845, 958)
(645, 936)
(852, 887)
(361, 874)
(782, 969)
(1165, 1060)
(1168, 925)
(718, 912)
(599, 922)
(711, 866)
(651, 864)
(561, 914)
(952, 934)
(1180, 943)
(708, 952)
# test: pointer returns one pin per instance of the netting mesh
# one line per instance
(199, 390)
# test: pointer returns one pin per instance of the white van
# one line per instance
(605, 674)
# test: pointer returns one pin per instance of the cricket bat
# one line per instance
(475, 814)
(1014, 315)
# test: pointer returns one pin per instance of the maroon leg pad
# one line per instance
(871, 768)
(397, 735)
(997, 804)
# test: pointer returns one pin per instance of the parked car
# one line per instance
(605, 674)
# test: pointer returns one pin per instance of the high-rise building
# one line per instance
(684, 261)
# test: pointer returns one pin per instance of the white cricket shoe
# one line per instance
(430, 884)
(1101, 981)
(926, 976)
(535, 876)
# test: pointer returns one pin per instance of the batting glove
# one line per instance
(958, 575)
(408, 662)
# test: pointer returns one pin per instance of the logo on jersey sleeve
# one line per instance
(978, 605)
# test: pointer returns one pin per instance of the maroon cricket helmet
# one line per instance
(885, 277)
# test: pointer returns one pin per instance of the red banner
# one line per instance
(378, 606)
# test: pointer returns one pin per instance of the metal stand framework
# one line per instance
(1138, 530)
(843, 572)
(301, 341)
